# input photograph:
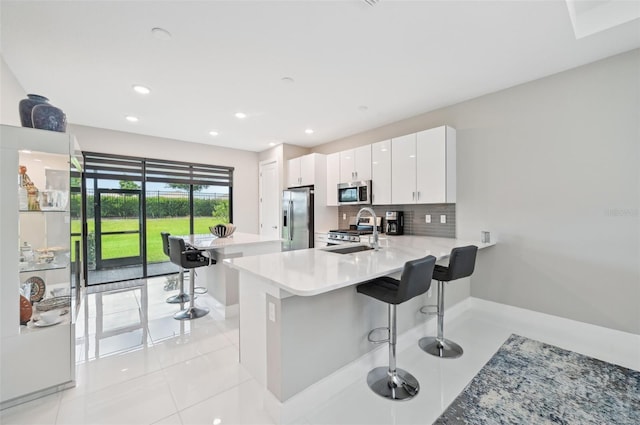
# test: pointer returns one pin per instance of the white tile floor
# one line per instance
(137, 365)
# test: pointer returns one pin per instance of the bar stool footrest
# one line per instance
(429, 309)
(373, 340)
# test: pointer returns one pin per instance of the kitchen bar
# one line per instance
(300, 308)
(222, 282)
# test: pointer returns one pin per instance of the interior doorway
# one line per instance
(269, 199)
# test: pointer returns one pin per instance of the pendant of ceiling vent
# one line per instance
(371, 2)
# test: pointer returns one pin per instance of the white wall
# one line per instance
(245, 175)
(551, 168)
(11, 92)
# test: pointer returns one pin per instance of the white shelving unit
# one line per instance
(37, 354)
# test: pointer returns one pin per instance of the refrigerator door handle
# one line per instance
(290, 220)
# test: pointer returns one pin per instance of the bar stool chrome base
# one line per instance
(191, 313)
(179, 299)
(443, 348)
(401, 386)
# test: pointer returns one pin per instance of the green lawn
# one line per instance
(117, 246)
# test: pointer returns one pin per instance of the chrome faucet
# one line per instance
(375, 244)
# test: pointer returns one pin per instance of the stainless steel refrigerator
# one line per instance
(297, 218)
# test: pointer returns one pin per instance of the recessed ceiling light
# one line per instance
(213, 133)
(272, 143)
(287, 80)
(309, 131)
(161, 33)
(131, 118)
(141, 89)
(240, 115)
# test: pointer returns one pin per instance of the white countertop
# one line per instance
(315, 271)
(209, 241)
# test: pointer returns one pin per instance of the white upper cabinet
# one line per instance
(424, 167)
(293, 172)
(381, 172)
(403, 164)
(435, 172)
(333, 178)
(355, 164)
(301, 171)
(308, 169)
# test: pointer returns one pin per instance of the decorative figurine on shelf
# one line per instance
(30, 187)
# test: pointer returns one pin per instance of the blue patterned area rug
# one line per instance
(529, 382)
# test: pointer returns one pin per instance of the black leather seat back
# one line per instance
(165, 242)
(187, 259)
(461, 264)
(416, 278)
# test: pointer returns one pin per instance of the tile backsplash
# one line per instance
(414, 218)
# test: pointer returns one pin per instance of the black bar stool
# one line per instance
(181, 297)
(188, 259)
(391, 382)
(462, 261)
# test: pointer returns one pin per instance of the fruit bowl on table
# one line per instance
(222, 230)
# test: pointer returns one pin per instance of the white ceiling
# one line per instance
(398, 58)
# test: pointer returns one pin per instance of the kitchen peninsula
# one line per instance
(300, 308)
(222, 282)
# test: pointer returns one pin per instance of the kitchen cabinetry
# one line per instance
(310, 170)
(436, 166)
(381, 172)
(403, 163)
(333, 178)
(355, 164)
(424, 167)
(301, 170)
(38, 292)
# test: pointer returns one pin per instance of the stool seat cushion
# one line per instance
(440, 273)
(415, 280)
(384, 288)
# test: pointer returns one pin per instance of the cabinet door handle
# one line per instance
(413, 196)
(418, 196)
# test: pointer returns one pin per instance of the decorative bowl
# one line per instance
(222, 230)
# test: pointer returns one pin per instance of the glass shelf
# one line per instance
(42, 211)
(43, 267)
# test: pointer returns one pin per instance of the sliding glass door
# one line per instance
(130, 201)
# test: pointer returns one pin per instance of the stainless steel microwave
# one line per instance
(354, 193)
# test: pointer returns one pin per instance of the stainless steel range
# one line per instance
(353, 233)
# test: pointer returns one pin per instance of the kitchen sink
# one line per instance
(350, 249)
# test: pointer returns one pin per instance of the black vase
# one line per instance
(37, 112)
